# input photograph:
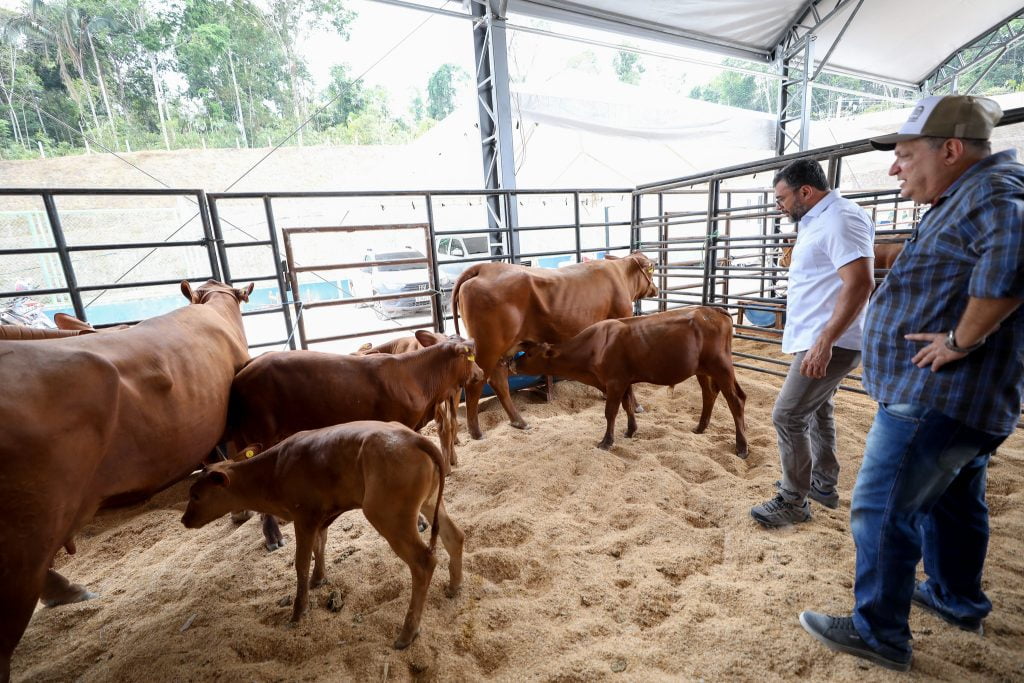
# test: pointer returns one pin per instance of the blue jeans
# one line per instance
(921, 488)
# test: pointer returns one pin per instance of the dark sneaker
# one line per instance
(839, 634)
(779, 512)
(829, 500)
(923, 600)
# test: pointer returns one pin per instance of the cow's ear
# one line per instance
(611, 257)
(219, 478)
(425, 338)
(186, 289)
(243, 294)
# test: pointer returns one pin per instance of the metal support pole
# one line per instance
(495, 111)
(711, 239)
(64, 255)
(808, 86)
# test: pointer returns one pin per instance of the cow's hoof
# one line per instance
(421, 524)
(519, 424)
(605, 445)
(316, 583)
(275, 545)
(699, 429)
(630, 435)
(74, 593)
(452, 591)
(742, 453)
(476, 434)
(241, 516)
(403, 642)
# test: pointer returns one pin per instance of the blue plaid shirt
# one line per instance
(970, 243)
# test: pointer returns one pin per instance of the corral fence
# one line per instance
(718, 238)
(388, 259)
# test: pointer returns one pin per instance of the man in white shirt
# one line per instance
(830, 281)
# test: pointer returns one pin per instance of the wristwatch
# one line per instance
(951, 343)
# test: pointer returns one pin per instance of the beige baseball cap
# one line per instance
(946, 116)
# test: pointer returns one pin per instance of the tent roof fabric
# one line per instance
(898, 42)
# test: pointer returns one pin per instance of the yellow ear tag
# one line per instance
(249, 453)
(471, 357)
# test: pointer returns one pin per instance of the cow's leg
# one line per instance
(473, 391)
(272, 536)
(399, 528)
(59, 591)
(616, 395)
(241, 516)
(319, 544)
(629, 405)
(305, 537)
(18, 598)
(499, 382)
(708, 396)
(725, 378)
(453, 539)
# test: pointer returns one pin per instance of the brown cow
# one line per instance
(312, 477)
(26, 333)
(280, 393)
(504, 304)
(93, 423)
(663, 348)
(401, 344)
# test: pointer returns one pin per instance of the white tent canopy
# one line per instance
(897, 41)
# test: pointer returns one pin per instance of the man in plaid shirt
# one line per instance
(944, 357)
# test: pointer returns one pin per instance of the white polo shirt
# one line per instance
(833, 233)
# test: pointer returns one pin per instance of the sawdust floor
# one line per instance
(641, 563)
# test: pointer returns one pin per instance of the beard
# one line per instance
(798, 211)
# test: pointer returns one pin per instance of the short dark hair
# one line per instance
(983, 147)
(802, 172)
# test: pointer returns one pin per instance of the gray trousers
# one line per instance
(807, 433)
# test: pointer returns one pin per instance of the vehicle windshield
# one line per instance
(476, 245)
(394, 256)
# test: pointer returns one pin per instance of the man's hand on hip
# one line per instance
(816, 360)
(936, 353)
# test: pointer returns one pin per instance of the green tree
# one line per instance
(441, 90)
(628, 66)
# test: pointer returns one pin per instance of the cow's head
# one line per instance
(465, 351)
(645, 284)
(210, 287)
(534, 359)
(210, 497)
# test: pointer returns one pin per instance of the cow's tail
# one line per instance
(447, 430)
(468, 273)
(435, 454)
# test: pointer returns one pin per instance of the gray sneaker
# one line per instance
(839, 634)
(779, 512)
(829, 500)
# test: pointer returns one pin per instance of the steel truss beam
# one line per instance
(495, 107)
(988, 47)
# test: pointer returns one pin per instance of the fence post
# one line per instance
(282, 286)
(64, 255)
(435, 274)
(710, 241)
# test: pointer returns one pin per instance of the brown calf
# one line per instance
(278, 394)
(388, 470)
(663, 348)
(402, 344)
(503, 304)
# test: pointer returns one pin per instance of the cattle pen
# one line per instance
(233, 196)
